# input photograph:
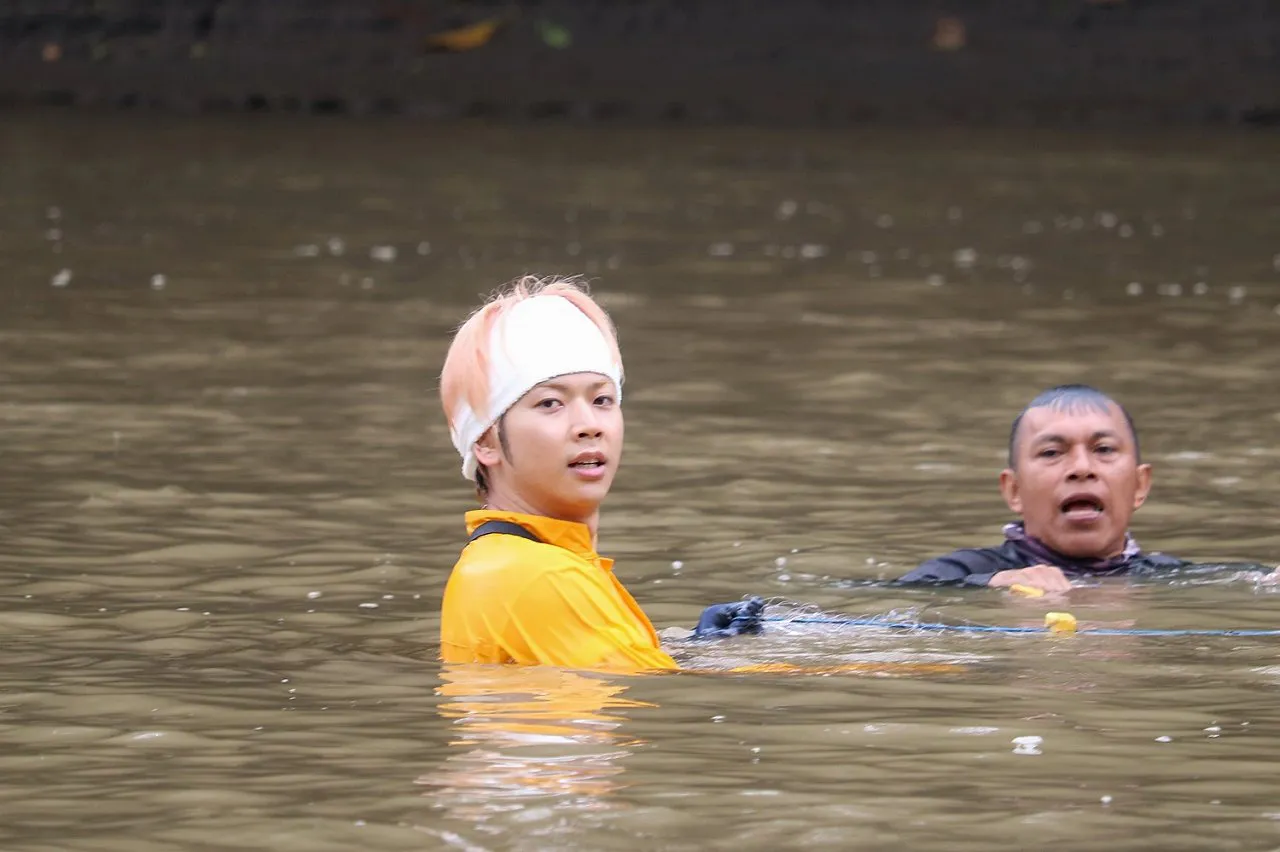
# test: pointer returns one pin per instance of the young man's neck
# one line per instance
(505, 502)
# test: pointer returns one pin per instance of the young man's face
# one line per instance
(1076, 481)
(563, 442)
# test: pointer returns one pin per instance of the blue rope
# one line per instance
(988, 628)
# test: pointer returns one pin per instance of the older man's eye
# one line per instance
(1106, 449)
(1047, 453)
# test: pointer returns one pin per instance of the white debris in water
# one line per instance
(574, 249)
(55, 213)
(388, 597)
(936, 280)
(61, 278)
(977, 731)
(369, 605)
(1236, 294)
(812, 251)
(1106, 800)
(336, 246)
(720, 250)
(313, 595)
(158, 282)
(1171, 289)
(1200, 288)
(1027, 745)
(148, 735)
(780, 562)
(53, 234)
(786, 210)
(1213, 729)
(676, 565)
(386, 254)
(1164, 739)
(1134, 288)
(964, 258)
(424, 248)
(308, 250)
(717, 718)
(784, 578)
(1126, 230)
(1107, 219)
(884, 220)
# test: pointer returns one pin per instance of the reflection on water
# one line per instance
(530, 732)
(230, 501)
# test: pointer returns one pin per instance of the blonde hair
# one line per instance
(465, 375)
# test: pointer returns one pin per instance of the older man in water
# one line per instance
(1075, 477)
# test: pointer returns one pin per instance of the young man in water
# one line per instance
(1075, 477)
(532, 390)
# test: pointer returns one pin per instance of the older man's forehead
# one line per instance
(1081, 416)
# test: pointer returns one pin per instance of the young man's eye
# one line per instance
(549, 402)
(604, 399)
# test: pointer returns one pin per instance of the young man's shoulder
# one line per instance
(521, 558)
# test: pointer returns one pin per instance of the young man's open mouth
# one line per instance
(589, 465)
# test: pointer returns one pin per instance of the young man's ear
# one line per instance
(1144, 485)
(488, 449)
(1010, 491)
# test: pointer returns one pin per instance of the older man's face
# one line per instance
(1077, 480)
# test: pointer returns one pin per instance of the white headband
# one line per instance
(536, 340)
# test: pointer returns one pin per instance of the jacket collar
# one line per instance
(1017, 533)
(570, 535)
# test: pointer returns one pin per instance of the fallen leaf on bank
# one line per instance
(469, 37)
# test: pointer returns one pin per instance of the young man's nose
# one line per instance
(587, 420)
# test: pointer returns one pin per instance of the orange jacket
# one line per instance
(551, 602)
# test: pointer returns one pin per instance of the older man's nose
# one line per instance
(1081, 465)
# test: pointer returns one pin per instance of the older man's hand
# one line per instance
(1048, 578)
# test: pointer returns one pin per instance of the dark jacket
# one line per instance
(976, 566)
